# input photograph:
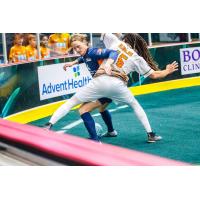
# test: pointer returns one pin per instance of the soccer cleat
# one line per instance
(96, 141)
(152, 137)
(47, 126)
(109, 134)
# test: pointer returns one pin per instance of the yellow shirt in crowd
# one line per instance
(60, 42)
(45, 52)
(31, 53)
(17, 53)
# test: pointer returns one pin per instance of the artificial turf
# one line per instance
(173, 114)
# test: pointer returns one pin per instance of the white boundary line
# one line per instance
(80, 121)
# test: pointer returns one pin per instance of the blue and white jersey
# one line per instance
(94, 56)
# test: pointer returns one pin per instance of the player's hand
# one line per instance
(107, 69)
(172, 67)
(69, 64)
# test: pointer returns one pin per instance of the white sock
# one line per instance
(64, 109)
(141, 115)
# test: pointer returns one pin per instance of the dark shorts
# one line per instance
(104, 100)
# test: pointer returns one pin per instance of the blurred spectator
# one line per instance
(18, 51)
(1, 50)
(59, 43)
(31, 51)
(25, 42)
(26, 37)
(44, 49)
(183, 37)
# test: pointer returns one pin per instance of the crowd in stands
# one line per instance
(25, 47)
(58, 44)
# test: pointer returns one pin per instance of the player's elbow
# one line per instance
(153, 76)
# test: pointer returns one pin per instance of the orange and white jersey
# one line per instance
(45, 52)
(31, 53)
(17, 53)
(128, 60)
(60, 42)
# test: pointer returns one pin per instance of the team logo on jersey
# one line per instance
(76, 71)
(88, 59)
(99, 51)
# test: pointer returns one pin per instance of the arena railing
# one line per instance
(4, 43)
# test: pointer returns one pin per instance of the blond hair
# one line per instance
(79, 37)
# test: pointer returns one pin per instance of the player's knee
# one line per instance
(134, 104)
(73, 101)
(102, 109)
(82, 110)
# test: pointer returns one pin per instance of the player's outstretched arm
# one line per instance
(69, 64)
(170, 68)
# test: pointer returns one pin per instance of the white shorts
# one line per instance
(105, 86)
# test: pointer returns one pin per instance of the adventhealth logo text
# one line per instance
(66, 85)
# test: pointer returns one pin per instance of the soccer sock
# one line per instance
(106, 116)
(141, 115)
(90, 125)
(64, 109)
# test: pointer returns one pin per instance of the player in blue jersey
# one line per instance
(92, 57)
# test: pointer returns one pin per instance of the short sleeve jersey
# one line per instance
(17, 53)
(128, 60)
(31, 53)
(45, 52)
(94, 56)
(60, 43)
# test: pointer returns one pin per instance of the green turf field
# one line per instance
(174, 114)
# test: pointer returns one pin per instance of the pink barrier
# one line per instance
(82, 151)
